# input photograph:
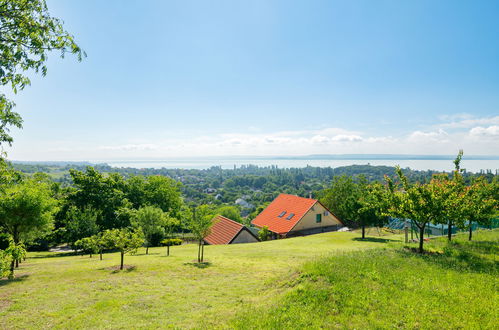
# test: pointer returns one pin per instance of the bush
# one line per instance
(171, 242)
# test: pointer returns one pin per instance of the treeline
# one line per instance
(253, 184)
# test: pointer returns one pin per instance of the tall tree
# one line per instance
(28, 33)
(26, 210)
(104, 194)
(80, 223)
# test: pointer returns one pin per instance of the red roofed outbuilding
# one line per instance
(227, 231)
(290, 215)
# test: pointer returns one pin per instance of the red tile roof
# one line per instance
(269, 217)
(223, 230)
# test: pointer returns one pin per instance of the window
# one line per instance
(318, 218)
(326, 213)
(282, 214)
(290, 216)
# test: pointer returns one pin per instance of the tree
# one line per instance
(104, 194)
(480, 204)
(26, 210)
(200, 226)
(352, 200)
(152, 220)
(264, 233)
(88, 245)
(415, 201)
(170, 242)
(373, 203)
(80, 223)
(126, 241)
(231, 212)
(28, 33)
(155, 190)
(15, 252)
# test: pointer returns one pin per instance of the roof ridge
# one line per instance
(312, 199)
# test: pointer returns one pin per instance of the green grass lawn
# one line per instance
(78, 291)
(329, 280)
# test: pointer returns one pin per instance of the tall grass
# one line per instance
(453, 286)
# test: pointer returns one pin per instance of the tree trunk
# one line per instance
(147, 249)
(168, 250)
(202, 252)
(449, 231)
(100, 254)
(90, 255)
(421, 238)
(17, 263)
(122, 259)
(11, 275)
(471, 232)
(363, 231)
(199, 251)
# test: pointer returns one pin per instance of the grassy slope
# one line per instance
(76, 291)
(455, 287)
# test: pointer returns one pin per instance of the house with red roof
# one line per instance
(290, 215)
(227, 231)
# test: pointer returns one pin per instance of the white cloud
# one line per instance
(470, 122)
(491, 131)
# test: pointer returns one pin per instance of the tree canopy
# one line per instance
(28, 33)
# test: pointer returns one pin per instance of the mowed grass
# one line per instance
(61, 291)
(454, 286)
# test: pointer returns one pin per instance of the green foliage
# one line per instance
(80, 223)
(152, 220)
(15, 253)
(125, 240)
(264, 233)
(28, 34)
(171, 242)
(200, 227)
(355, 202)
(88, 245)
(231, 212)
(26, 210)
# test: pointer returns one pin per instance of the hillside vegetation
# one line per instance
(327, 280)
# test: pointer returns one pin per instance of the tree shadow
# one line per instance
(56, 255)
(458, 259)
(20, 278)
(374, 239)
(196, 264)
(116, 269)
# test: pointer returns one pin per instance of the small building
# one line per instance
(227, 231)
(290, 215)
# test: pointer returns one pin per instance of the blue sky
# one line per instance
(204, 78)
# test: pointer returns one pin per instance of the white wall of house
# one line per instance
(309, 220)
(244, 237)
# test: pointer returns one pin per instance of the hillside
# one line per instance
(308, 281)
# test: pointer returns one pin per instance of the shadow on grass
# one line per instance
(55, 255)
(196, 264)
(116, 269)
(374, 239)
(20, 278)
(462, 260)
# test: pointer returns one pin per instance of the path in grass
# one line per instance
(78, 291)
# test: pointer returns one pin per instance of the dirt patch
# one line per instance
(127, 268)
